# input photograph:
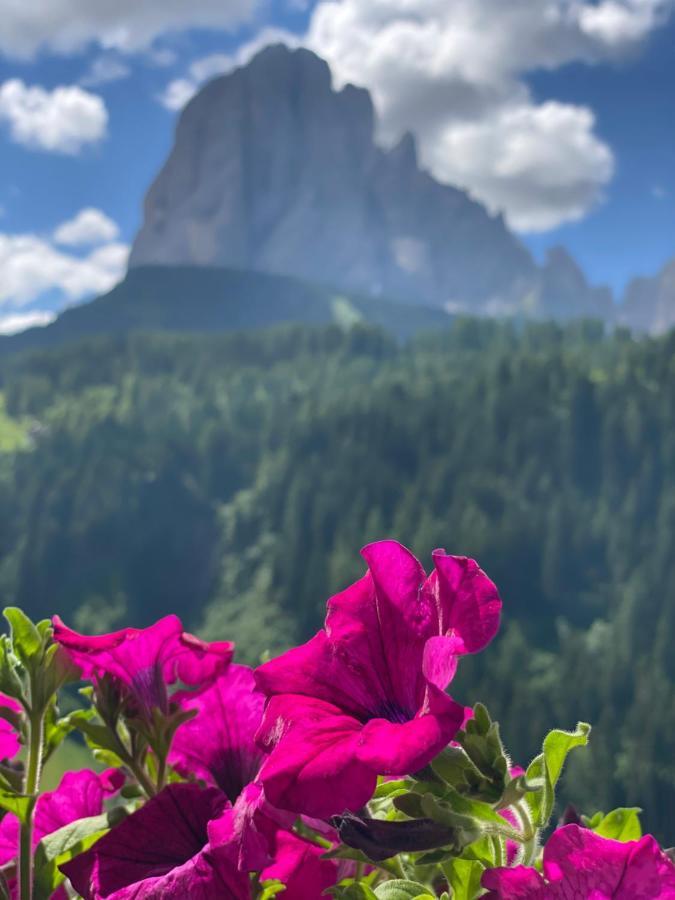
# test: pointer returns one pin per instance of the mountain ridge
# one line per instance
(213, 300)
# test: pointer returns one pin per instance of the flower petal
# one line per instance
(161, 844)
(519, 883)
(9, 740)
(299, 865)
(389, 748)
(467, 601)
(314, 768)
(218, 744)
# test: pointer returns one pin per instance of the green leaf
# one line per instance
(458, 811)
(27, 641)
(19, 804)
(10, 681)
(557, 745)
(62, 845)
(351, 890)
(547, 767)
(621, 825)
(464, 876)
(391, 788)
(400, 889)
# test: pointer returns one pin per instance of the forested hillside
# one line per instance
(230, 479)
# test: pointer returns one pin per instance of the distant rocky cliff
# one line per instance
(649, 303)
(273, 170)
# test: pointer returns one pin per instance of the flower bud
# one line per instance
(380, 840)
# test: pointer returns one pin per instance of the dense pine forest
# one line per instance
(229, 479)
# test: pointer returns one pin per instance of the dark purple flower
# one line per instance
(176, 846)
(366, 696)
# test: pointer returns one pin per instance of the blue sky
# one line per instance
(558, 112)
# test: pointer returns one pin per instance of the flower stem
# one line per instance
(498, 850)
(31, 787)
(529, 834)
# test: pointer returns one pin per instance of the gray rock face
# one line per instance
(272, 170)
(649, 303)
(564, 292)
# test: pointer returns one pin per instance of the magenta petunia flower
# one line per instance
(366, 696)
(145, 661)
(9, 739)
(218, 746)
(79, 795)
(580, 863)
(299, 865)
(178, 845)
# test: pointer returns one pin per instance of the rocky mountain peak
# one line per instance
(274, 170)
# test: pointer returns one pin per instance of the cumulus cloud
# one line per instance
(16, 322)
(63, 120)
(542, 164)
(68, 25)
(454, 72)
(89, 227)
(32, 265)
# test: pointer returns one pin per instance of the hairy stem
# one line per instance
(31, 787)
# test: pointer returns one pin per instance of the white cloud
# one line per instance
(63, 120)
(67, 25)
(89, 227)
(178, 93)
(616, 23)
(16, 322)
(453, 72)
(540, 163)
(104, 70)
(31, 266)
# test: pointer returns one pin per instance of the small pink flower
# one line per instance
(580, 864)
(366, 696)
(9, 740)
(78, 796)
(145, 661)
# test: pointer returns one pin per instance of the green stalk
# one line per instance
(498, 850)
(529, 833)
(31, 787)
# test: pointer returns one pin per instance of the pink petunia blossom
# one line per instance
(580, 864)
(9, 739)
(366, 696)
(78, 796)
(218, 746)
(145, 661)
(299, 865)
(178, 845)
